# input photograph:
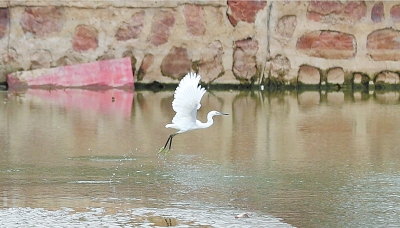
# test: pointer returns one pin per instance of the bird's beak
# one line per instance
(224, 113)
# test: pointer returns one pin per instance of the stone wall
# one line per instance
(272, 43)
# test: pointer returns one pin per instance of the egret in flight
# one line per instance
(186, 103)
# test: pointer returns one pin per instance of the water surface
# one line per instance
(287, 159)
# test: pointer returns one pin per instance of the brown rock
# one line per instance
(42, 20)
(336, 11)
(387, 77)
(85, 38)
(195, 20)
(244, 59)
(327, 44)
(244, 10)
(210, 66)
(395, 13)
(309, 75)
(335, 76)
(146, 63)
(286, 26)
(161, 28)
(384, 44)
(41, 59)
(4, 14)
(176, 63)
(377, 13)
(132, 28)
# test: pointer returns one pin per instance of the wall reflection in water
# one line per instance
(298, 155)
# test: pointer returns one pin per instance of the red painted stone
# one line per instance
(176, 63)
(327, 44)
(42, 20)
(384, 44)
(334, 11)
(377, 13)
(97, 101)
(100, 74)
(195, 20)
(132, 28)
(85, 38)
(161, 28)
(3, 21)
(395, 13)
(244, 10)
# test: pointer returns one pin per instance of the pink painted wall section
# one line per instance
(115, 73)
(97, 101)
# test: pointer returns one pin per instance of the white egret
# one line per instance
(186, 103)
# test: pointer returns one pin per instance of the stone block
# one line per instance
(100, 74)
(42, 21)
(384, 44)
(387, 77)
(210, 65)
(335, 76)
(378, 13)
(146, 63)
(176, 63)
(309, 75)
(132, 28)
(334, 12)
(244, 10)
(395, 13)
(85, 38)
(195, 20)
(244, 59)
(4, 14)
(161, 28)
(327, 44)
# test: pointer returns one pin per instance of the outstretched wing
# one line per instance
(187, 99)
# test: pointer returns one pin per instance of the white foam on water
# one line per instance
(136, 217)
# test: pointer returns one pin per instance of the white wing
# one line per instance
(187, 100)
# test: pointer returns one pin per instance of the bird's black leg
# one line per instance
(169, 140)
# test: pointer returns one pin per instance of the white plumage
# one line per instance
(186, 102)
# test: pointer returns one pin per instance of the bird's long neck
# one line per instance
(209, 122)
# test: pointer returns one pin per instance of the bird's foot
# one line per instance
(163, 150)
